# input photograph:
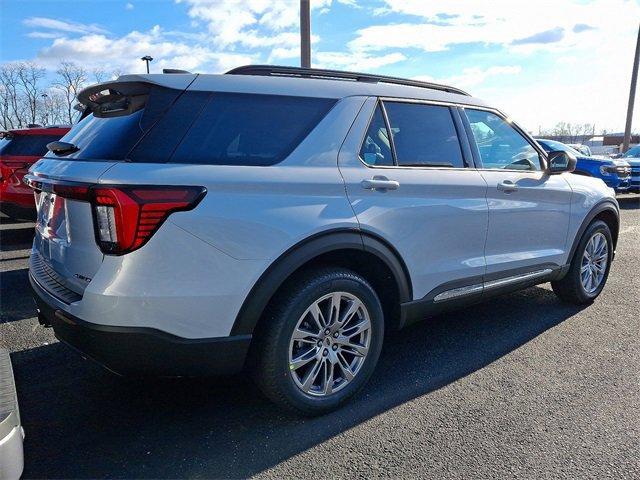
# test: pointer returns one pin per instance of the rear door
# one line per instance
(529, 209)
(409, 179)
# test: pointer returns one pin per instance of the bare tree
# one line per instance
(12, 104)
(29, 77)
(71, 79)
(99, 75)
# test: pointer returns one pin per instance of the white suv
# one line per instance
(280, 220)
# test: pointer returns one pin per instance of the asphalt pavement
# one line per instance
(520, 386)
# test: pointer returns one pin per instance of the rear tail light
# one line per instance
(124, 217)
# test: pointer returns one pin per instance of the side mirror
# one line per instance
(560, 162)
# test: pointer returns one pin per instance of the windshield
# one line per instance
(633, 152)
(553, 146)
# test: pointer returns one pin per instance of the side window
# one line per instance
(499, 144)
(424, 135)
(249, 129)
(376, 149)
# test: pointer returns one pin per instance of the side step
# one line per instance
(11, 433)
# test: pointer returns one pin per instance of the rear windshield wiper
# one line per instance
(62, 148)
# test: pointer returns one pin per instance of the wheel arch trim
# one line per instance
(603, 206)
(307, 250)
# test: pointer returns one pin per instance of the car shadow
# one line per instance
(81, 421)
(16, 236)
(629, 202)
(16, 302)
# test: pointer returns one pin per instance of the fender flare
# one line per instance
(298, 255)
(602, 206)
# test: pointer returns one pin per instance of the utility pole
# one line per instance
(305, 34)
(147, 58)
(632, 97)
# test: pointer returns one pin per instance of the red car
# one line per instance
(19, 149)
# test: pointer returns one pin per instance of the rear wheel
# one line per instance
(319, 341)
(589, 267)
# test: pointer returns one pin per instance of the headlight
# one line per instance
(607, 169)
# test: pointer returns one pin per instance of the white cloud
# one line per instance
(473, 76)
(355, 61)
(62, 25)
(123, 53)
(254, 23)
(520, 26)
(129, 6)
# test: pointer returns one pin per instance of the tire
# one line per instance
(571, 288)
(276, 352)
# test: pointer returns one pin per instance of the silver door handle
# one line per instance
(507, 186)
(380, 183)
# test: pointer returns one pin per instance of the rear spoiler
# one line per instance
(114, 99)
(128, 93)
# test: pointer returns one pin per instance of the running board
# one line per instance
(481, 287)
(11, 433)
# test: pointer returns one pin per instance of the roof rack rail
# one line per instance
(274, 70)
(173, 70)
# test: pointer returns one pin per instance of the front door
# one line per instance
(529, 209)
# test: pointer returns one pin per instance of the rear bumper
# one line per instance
(142, 350)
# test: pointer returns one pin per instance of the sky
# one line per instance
(542, 62)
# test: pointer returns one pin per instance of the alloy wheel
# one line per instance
(594, 262)
(329, 344)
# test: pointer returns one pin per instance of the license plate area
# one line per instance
(51, 220)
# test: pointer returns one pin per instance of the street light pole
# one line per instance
(46, 108)
(632, 97)
(305, 34)
(147, 59)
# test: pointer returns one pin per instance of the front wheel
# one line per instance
(320, 341)
(589, 268)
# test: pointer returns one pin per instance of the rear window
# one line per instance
(112, 138)
(232, 129)
(27, 145)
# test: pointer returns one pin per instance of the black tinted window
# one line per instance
(113, 138)
(160, 143)
(376, 149)
(248, 129)
(27, 145)
(424, 135)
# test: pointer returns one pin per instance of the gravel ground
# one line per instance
(521, 386)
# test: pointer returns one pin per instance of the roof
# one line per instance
(297, 86)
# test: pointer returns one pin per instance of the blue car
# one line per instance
(633, 157)
(615, 173)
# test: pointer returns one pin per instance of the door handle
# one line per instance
(380, 183)
(507, 186)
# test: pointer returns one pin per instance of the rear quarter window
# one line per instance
(249, 129)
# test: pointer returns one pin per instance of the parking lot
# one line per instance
(522, 386)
